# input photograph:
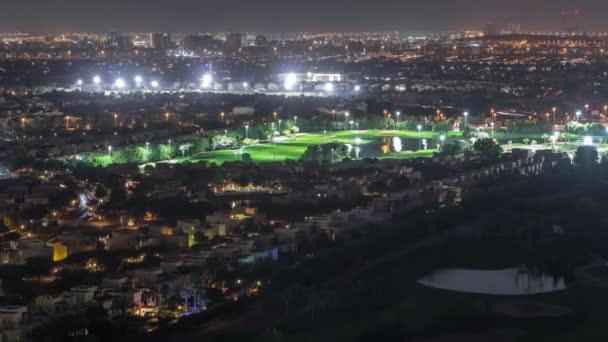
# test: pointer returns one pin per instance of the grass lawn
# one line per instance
(294, 146)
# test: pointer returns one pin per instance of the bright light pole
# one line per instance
(554, 110)
(398, 114)
(295, 120)
(332, 155)
(110, 150)
(492, 125)
(246, 131)
(466, 115)
(419, 129)
(154, 84)
(442, 139)
(357, 125)
(169, 142)
(280, 125)
(147, 150)
(115, 117)
(346, 119)
(67, 122)
(96, 80)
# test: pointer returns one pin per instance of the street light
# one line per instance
(115, 117)
(97, 80)
(295, 120)
(442, 139)
(138, 80)
(280, 125)
(554, 110)
(246, 131)
(79, 82)
(419, 129)
(329, 87)
(154, 84)
(578, 114)
(398, 114)
(492, 125)
(110, 150)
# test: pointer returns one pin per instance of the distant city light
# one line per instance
(206, 82)
(79, 82)
(329, 87)
(290, 81)
(119, 83)
(245, 85)
(96, 79)
(138, 79)
(154, 84)
(357, 87)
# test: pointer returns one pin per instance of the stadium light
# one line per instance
(119, 83)
(206, 82)
(290, 81)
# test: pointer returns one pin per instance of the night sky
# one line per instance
(295, 15)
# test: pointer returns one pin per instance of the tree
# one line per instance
(184, 148)
(488, 149)
(165, 152)
(222, 142)
(453, 148)
(585, 157)
(246, 157)
(335, 151)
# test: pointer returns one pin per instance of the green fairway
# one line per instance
(294, 146)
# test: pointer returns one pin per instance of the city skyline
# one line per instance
(315, 15)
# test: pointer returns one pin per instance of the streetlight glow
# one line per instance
(96, 79)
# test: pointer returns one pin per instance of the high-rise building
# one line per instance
(512, 29)
(490, 29)
(119, 41)
(261, 41)
(201, 42)
(234, 41)
(162, 41)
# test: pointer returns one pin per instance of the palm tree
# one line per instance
(185, 148)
